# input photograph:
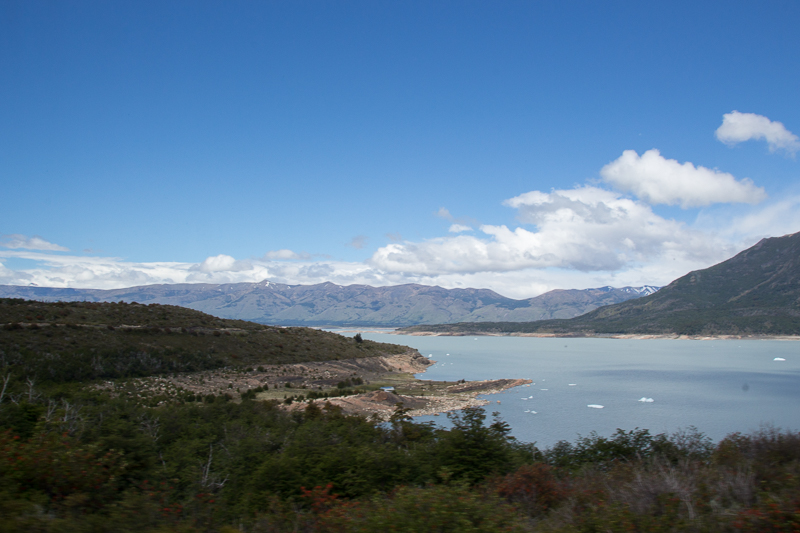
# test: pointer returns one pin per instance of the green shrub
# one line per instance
(439, 508)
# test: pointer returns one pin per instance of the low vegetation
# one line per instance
(73, 459)
(78, 457)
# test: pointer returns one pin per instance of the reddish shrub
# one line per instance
(770, 515)
(534, 488)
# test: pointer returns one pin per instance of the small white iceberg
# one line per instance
(527, 410)
(533, 412)
(529, 397)
(523, 398)
(779, 359)
(572, 384)
(544, 389)
(594, 406)
(646, 400)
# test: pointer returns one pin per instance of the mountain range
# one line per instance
(755, 292)
(328, 304)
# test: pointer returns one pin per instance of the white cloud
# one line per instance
(91, 272)
(740, 127)
(112, 273)
(458, 228)
(17, 241)
(657, 180)
(585, 229)
(285, 254)
(222, 263)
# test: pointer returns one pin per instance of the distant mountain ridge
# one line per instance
(354, 305)
(755, 292)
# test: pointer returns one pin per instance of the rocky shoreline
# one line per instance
(600, 336)
(293, 384)
(455, 397)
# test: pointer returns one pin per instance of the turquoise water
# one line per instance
(719, 386)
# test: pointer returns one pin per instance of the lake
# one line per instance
(718, 386)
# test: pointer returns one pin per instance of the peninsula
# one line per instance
(157, 354)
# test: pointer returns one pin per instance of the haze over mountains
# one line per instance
(755, 292)
(328, 304)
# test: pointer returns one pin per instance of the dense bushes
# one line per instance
(75, 460)
(223, 461)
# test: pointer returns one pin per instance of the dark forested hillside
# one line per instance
(84, 340)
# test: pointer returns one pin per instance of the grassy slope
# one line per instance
(82, 340)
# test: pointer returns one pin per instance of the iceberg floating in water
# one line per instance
(646, 400)
(572, 384)
(594, 406)
(779, 359)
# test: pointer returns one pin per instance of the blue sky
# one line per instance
(518, 146)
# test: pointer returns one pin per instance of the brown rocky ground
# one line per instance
(432, 398)
(324, 378)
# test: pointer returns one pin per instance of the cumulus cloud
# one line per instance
(740, 127)
(221, 263)
(458, 228)
(285, 254)
(658, 180)
(584, 229)
(17, 241)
